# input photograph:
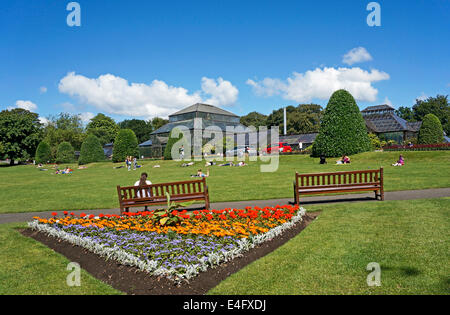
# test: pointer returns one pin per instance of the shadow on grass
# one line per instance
(331, 200)
(404, 271)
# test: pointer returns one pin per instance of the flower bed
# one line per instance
(201, 240)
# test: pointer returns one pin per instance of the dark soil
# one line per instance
(134, 281)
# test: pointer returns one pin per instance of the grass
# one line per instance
(28, 267)
(409, 239)
(26, 189)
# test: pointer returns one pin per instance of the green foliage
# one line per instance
(103, 127)
(91, 151)
(158, 123)
(43, 153)
(305, 118)
(438, 106)
(20, 133)
(125, 144)
(167, 216)
(141, 128)
(374, 141)
(66, 153)
(64, 128)
(405, 112)
(254, 119)
(343, 130)
(172, 140)
(431, 130)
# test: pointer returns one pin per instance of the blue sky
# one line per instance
(142, 58)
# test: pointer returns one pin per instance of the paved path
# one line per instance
(369, 197)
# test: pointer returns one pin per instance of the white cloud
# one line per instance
(86, 117)
(320, 83)
(28, 105)
(115, 95)
(222, 92)
(43, 89)
(44, 121)
(387, 101)
(356, 55)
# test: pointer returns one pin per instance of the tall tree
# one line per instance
(406, 113)
(305, 118)
(158, 122)
(20, 133)
(125, 144)
(343, 130)
(64, 127)
(437, 106)
(103, 127)
(431, 130)
(91, 151)
(254, 119)
(141, 128)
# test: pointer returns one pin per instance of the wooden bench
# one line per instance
(321, 183)
(148, 195)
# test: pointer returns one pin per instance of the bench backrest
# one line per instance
(158, 191)
(349, 178)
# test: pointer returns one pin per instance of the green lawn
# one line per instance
(28, 267)
(25, 188)
(409, 239)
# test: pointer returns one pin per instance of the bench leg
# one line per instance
(379, 193)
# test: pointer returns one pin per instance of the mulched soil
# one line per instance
(136, 282)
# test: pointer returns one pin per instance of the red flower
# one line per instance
(66, 213)
(54, 214)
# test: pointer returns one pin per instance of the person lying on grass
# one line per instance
(201, 174)
(344, 160)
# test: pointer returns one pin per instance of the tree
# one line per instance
(305, 118)
(65, 153)
(431, 130)
(20, 134)
(43, 153)
(254, 119)
(170, 142)
(103, 127)
(125, 144)
(438, 106)
(91, 151)
(141, 128)
(405, 112)
(343, 130)
(64, 128)
(158, 123)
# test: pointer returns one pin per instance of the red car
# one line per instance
(281, 147)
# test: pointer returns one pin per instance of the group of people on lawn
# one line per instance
(346, 160)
